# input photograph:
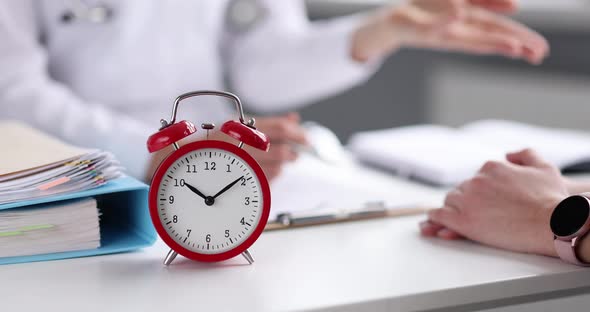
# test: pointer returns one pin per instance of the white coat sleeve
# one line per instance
(286, 61)
(28, 94)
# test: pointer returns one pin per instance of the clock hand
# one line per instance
(228, 187)
(194, 189)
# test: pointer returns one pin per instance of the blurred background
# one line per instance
(418, 87)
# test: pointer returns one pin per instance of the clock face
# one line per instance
(209, 200)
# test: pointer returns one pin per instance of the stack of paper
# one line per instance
(67, 226)
(35, 165)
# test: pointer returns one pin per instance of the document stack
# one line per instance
(34, 165)
(72, 225)
(61, 201)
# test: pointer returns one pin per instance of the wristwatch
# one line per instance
(570, 222)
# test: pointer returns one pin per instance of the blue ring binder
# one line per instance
(125, 222)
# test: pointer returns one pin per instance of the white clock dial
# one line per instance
(209, 201)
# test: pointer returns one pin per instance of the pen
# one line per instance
(309, 150)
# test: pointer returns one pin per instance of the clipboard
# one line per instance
(378, 210)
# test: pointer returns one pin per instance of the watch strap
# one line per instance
(566, 250)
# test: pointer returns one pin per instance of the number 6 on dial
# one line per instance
(209, 200)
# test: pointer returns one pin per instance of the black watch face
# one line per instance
(570, 215)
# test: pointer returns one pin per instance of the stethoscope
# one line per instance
(241, 15)
(81, 11)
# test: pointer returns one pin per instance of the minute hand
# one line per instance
(228, 187)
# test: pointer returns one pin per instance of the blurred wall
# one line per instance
(459, 93)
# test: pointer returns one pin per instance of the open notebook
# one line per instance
(446, 156)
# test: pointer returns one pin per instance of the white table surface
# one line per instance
(378, 265)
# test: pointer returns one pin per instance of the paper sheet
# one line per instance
(310, 185)
(447, 156)
(24, 148)
(35, 165)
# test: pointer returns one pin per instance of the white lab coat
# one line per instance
(107, 85)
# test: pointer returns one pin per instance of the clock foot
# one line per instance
(248, 257)
(170, 257)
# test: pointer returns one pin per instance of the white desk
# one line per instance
(380, 265)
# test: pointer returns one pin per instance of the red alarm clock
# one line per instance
(209, 200)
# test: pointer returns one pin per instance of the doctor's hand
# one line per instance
(469, 26)
(283, 131)
(506, 205)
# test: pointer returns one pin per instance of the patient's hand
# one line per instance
(470, 26)
(506, 205)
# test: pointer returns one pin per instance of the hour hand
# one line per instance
(194, 190)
